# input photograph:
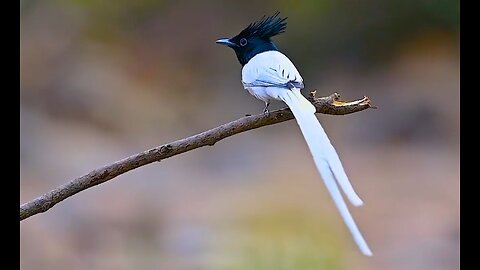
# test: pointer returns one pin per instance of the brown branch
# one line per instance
(326, 105)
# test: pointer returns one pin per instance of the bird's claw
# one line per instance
(265, 110)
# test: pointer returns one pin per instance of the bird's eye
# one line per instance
(243, 42)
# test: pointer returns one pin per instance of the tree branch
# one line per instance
(326, 105)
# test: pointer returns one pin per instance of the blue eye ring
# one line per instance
(243, 42)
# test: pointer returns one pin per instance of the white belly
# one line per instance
(266, 94)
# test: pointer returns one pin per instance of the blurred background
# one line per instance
(102, 80)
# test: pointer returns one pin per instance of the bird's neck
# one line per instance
(244, 57)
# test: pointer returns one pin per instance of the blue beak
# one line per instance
(226, 41)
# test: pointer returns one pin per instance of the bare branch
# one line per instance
(326, 105)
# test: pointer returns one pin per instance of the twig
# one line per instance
(326, 105)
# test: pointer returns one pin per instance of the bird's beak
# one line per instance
(226, 41)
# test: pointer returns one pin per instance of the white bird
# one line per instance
(269, 75)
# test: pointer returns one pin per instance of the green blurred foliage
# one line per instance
(282, 239)
(366, 32)
(359, 32)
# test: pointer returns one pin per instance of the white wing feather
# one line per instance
(270, 68)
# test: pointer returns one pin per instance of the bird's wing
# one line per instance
(271, 68)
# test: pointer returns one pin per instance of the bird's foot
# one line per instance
(265, 110)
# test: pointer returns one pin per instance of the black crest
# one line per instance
(266, 27)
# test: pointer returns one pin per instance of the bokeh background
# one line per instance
(101, 80)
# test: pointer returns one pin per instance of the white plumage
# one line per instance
(270, 76)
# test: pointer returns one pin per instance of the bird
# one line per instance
(270, 75)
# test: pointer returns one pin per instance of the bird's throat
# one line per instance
(245, 56)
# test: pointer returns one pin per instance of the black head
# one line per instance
(255, 38)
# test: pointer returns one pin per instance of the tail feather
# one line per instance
(326, 160)
(327, 150)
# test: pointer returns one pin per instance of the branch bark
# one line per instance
(326, 105)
